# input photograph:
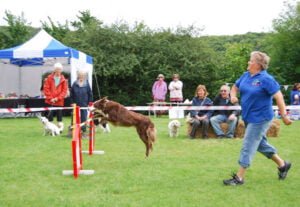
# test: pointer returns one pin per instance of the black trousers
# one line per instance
(52, 113)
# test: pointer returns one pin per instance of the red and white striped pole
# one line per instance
(92, 136)
(76, 147)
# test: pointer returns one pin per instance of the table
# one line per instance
(172, 113)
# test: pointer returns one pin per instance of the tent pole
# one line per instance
(98, 89)
(20, 82)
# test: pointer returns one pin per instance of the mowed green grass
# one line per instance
(179, 172)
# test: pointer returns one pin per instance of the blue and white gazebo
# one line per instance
(22, 67)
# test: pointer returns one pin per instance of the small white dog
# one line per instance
(174, 126)
(50, 128)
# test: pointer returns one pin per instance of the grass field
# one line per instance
(179, 172)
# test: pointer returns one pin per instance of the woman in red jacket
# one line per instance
(55, 90)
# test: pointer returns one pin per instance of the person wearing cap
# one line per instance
(81, 95)
(175, 88)
(55, 89)
(159, 90)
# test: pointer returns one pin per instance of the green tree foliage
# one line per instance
(284, 45)
(236, 59)
(17, 31)
(58, 31)
(233, 54)
(127, 59)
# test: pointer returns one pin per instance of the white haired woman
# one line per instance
(81, 94)
(257, 89)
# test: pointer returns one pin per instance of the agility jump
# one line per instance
(76, 147)
(91, 125)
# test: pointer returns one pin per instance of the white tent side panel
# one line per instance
(31, 78)
(9, 76)
(24, 80)
(80, 64)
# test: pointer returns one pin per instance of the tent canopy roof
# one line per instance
(42, 45)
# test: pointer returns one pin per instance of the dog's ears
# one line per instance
(104, 99)
(100, 102)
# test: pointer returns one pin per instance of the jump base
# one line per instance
(96, 152)
(81, 172)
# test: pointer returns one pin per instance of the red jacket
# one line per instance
(52, 91)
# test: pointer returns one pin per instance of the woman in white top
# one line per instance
(175, 88)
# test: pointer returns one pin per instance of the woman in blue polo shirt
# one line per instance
(257, 89)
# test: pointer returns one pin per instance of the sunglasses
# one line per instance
(223, 90)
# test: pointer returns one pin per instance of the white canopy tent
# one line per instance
(22, 67)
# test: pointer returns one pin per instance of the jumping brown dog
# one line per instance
(118, 115)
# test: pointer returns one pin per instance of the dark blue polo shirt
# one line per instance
(257, 96)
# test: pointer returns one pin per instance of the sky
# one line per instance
(216, 17)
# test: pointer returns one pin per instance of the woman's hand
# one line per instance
(53, 100)
(286, 120)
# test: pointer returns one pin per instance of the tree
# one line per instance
(17, 32)
(236, 59)
(58, 30)
(285, 45)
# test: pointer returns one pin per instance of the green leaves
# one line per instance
(127, 59)
(17, 32)
(285, 49)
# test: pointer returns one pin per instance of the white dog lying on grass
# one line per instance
(174, 128)
(50, 128)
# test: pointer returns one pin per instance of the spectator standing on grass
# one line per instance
(200, 117)
(81, 95)
(257, 89)
(159, 90)
(175, 88)
(224, 116)
(55, 89)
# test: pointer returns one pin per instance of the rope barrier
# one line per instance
(140, 108)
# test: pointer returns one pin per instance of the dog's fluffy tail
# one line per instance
(151, 134)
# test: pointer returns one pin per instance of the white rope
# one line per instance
(141, 108)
